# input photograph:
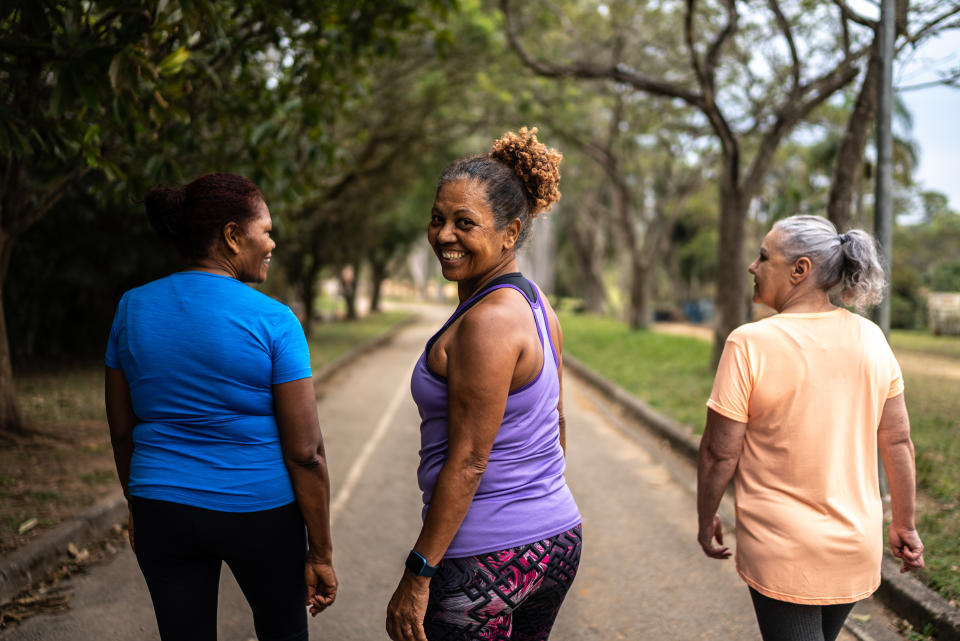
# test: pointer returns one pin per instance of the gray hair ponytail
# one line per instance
(848, 260)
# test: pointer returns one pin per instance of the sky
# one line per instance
(935, 110)
(936, 116)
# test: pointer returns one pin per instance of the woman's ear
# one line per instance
(231, 236)
(512, 233)
(801, 270)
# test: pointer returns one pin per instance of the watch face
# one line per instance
(419, 566)
(415, 563)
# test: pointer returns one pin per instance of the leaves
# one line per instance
(27, 525)
(173, 64)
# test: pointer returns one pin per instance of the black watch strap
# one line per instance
(418, 565)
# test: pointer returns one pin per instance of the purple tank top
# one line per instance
(522, 497)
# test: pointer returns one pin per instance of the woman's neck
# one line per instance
(213, 265)
(467, 288)
(807, 300)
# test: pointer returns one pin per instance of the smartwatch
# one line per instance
(418, 565)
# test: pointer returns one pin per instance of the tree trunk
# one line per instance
(378, 274)
(10, 420)
(731, 301)
(349, 276)
(308, 293)
(638, 303)
(638, 309)
(586, 240)
(849, 165)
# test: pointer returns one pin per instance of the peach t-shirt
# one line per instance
(811, 389)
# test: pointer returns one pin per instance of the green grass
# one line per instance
(934, 405)
(924, 342)
(44, 495)
(671, 373)
(98, 477)
(331, 340)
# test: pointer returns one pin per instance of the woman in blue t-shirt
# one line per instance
(214, 424)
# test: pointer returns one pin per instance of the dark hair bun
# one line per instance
(164, 207)
(536, 164)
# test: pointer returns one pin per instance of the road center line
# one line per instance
(360, 463)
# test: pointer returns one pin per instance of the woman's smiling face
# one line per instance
(256, 247)
(463, 233)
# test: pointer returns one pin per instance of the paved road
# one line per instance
(642, 575)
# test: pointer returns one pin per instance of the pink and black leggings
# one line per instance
(510, 595)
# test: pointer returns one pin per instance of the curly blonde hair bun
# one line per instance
(537, 165)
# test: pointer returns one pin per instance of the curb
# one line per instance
(328, 370)
(32, 562)
(903, 594)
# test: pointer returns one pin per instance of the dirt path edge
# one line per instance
(32, 562)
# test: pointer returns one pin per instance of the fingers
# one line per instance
(905, 544)
(405, 614)
(718, 530)
(706, 539)
(717, 552)
(322, 585)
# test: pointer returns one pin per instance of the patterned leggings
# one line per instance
(510, 595)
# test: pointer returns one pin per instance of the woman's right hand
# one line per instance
(906, 545)
(321, 584)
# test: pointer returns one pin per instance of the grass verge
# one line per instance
(66, 462)
(672, 374)
(330, 341)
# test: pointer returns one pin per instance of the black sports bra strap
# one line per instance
(513, 278)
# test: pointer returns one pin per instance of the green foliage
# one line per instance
(945, 276)
(924, 260)
(114, 97)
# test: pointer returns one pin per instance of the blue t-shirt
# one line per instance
(201, 352)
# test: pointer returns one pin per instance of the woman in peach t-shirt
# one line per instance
(800, 405)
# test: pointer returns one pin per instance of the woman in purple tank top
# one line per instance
(500, 543)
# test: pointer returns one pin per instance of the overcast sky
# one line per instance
(936, 117)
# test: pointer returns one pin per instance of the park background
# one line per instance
(688, 128)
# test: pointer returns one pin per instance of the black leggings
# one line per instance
(180, 550)
(783, 621)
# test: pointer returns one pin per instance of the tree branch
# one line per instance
(948, 80)
(586, 70)
(850, 14)
(792, 111)
(688, 37)
(784, 25)
(713, 53)
(47, 199)
(928, 28)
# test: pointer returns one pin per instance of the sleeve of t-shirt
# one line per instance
(733, 383)
(112, 358)
(896, 377)
(291, 356)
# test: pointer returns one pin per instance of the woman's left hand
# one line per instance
(710, 532)
(407, 608)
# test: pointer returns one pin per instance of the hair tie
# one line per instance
(843, 238)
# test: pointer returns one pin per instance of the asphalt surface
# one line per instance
(642, 575)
